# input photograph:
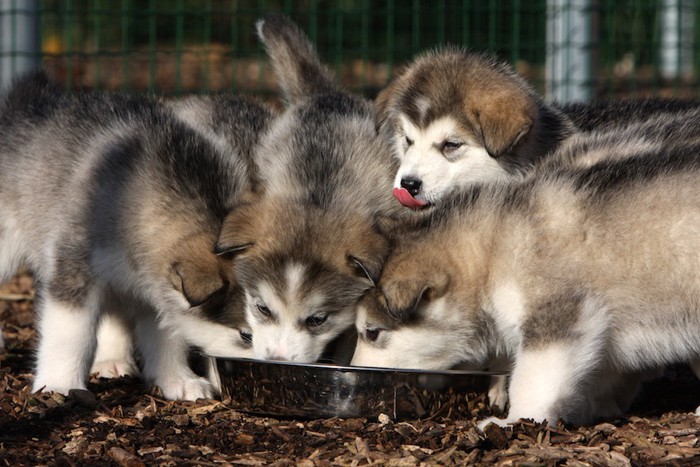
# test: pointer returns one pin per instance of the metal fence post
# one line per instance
(568, 50)
(19, 38)
(677, 35)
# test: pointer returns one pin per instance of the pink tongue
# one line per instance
(407, 200)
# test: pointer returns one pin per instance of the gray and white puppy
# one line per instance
(578, 275)
(310, 246)
(115, 204)
(230, 123)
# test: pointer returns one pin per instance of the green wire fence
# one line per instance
(183, 46)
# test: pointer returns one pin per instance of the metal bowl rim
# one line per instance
(357, 369)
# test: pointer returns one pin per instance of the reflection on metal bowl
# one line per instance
(285, 389)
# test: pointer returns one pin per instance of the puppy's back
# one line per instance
(33, 94)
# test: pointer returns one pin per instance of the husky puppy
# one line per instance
(116, 206)
(310, 246)
(232, 124)
(456, 118)
(578, 275)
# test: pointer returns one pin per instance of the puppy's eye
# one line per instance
(451, 146)
(316, 320)
(372, 334)
(264, 310)
(409, 141)
(246, 336)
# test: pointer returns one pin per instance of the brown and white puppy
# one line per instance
(579, 276)
(456, 117)
(116, 206)
(310, 246)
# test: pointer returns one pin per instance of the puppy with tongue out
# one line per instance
(406, 198)
(456, 118)
(436, 160)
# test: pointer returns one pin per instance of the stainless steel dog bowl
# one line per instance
(284, 389)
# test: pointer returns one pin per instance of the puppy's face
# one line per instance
(303, 274)
(451, 117)
(436, 158)
(421, 315)
(296, 310)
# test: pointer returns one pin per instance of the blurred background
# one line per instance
(570, 50)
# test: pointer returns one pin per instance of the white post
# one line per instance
(19, 38)
(568, 64)
(677, 25)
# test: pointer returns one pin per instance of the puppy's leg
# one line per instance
(165, 361)
(543, 385)
(115, 354)
(498, 392)
(555, 366)
(67, 336)
(498, 387)
(212, 375)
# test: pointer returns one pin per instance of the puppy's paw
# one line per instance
(57, 379)
(697, 411)
(187, 388)
(498, 393)
(114, 368)
(498, 401)
(502, 422)
(46, 385)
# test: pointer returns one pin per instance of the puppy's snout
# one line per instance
(412, 185)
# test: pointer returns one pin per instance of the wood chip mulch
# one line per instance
(118, 422)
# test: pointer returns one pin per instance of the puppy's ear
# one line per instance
(503, 117)
(369, 271)
(369, 260)
(294, 59)
(406, 296)
(196, 272)
(239, 230)
(401, 298)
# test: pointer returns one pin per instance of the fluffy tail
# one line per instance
(294, 59)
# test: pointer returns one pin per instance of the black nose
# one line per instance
(412, 185)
